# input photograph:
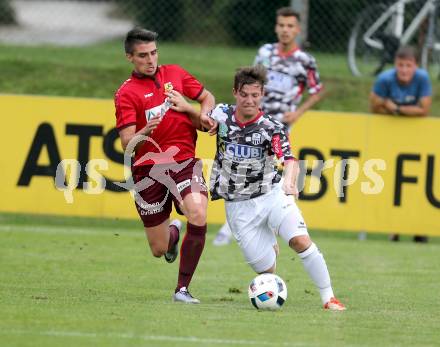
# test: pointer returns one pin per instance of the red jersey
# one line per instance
(141, 97)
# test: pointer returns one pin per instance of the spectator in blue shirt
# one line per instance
(404, 90)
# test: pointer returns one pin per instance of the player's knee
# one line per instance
(300, 243)
(157, 250)
(196, 215)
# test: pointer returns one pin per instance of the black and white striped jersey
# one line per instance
(288, 75)
(244, 165)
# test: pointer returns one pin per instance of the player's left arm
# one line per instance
(202, 121)
(291, 170)
(315, 90)
(193, 89)
(180, 104)
(312, 100)
(207, 103)
(281, 148)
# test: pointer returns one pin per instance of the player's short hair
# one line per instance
(138, 35)
(288, 12)
(250, 75)
(407, 52)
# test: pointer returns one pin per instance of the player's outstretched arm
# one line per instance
(207, 102)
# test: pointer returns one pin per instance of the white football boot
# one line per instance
(184, 296)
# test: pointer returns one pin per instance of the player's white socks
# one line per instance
(315, 265)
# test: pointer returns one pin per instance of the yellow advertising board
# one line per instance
(361, 172)
(393, 180)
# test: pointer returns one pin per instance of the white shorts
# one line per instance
(256, 222)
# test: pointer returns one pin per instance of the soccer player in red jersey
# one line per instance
(154, 120)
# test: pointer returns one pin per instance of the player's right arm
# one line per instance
(126, 119)
(129, 133)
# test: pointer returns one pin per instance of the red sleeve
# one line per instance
(192, 88)
(313, 82)
(125, 110)
(281, 147)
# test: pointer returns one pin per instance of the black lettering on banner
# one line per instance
(304, 171)
(109, 146)
(84, 133)
(400, 178)
(110, 151)
(429, 188)
(345, 155)
(44, 137)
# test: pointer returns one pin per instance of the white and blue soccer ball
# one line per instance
(267, 292)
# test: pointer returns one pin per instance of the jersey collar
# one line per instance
(286, 54)
(249, 122)
(144, 77)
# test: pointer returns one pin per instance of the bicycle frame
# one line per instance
(396, 12)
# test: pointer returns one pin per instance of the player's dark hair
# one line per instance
(138, 35)
(407, 52)
(250, 75)
(288, 12)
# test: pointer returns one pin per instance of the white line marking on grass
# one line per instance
(59, 229)
(181, 339)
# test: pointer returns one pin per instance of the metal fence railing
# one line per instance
(233, 22)
(327, 25)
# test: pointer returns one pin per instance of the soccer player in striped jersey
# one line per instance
(291, 72)
(259, 204)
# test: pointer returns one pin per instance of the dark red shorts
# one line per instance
(157, 186)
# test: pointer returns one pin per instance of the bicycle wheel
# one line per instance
(430, 55)
(363, 58)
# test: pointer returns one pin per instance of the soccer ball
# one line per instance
(267, 292)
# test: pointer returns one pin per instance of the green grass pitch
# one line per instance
(90, 282)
